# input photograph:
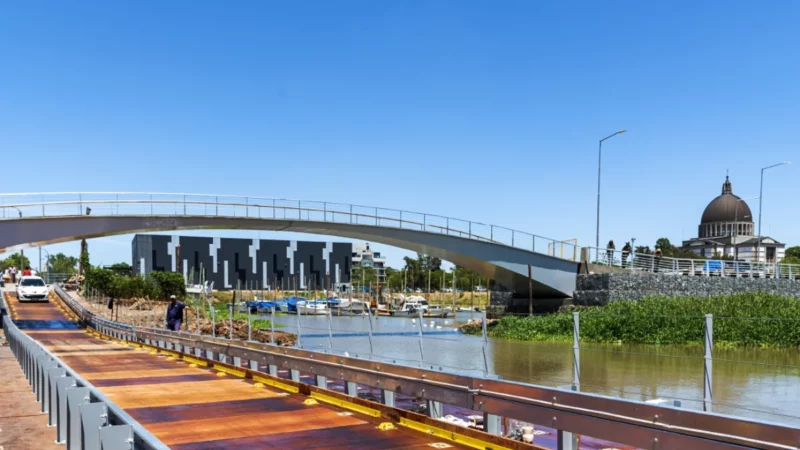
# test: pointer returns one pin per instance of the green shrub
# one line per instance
(752, 319)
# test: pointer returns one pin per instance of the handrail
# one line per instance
(28, 350)
(185, 204)
(634, 423)
(651, 263)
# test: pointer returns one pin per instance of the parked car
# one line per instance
(31, 289)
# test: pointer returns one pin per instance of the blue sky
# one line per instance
(488, 111)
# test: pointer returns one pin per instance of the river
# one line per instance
(762, 384)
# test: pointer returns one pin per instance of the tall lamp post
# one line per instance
(760, 201)
(599, 164)
(736, 226)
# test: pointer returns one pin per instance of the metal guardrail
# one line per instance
(84, 418)
(25, 205)
(571, 413)
(693, 267)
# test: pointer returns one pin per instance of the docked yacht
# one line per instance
(314, 307)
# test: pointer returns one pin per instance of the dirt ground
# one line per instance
(148, 313)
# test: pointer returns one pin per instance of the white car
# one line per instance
(31, 289)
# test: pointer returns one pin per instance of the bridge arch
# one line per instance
(461, 242)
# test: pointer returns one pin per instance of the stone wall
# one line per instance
(598, 289)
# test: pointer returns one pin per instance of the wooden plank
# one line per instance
(191, 393)
(224, 426)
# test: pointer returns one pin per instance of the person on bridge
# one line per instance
(13, 272)
(26, 272)
(175, 313)
(626, 251)
(610, 251)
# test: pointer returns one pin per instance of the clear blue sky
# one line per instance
(480, 110)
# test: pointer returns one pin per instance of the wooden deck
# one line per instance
(194, 408)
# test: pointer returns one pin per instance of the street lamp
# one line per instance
(760, 200)
(736, 226)
(599, 162)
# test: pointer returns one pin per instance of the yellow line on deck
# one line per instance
(450, 435)
(345, 404)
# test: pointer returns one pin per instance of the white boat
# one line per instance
(316, 307)
(436, 311)
(354, 308)
(410, 307)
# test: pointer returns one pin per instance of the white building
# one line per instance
(364, 257)
(727, 229)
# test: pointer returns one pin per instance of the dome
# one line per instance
(723, 208)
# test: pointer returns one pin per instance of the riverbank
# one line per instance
(460, 299)
(747, 319)
(146, 312)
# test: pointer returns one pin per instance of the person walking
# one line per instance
(13, 272)
(626, 251)
(657, 259)
(610, 252)
(175, 314)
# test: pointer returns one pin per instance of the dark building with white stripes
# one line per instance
(250, 263)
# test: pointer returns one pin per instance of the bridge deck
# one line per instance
(193, 408)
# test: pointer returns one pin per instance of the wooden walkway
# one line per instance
(191, 408)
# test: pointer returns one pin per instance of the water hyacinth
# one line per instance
(746, 319)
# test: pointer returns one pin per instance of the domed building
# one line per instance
(727, 229)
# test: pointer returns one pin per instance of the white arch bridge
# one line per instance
(33, 219)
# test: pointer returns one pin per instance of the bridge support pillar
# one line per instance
(493, 424)
(567, 441)
(273, 370)
(253, 364)
(237, 361)
(351, 388)
(198, 352)
(435, 409)
(210, 355)
(322, 381)
(387, 398)
(223, 358)
(294, 375)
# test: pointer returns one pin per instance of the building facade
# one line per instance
(247, 263)
(363, 256)
(727, 230)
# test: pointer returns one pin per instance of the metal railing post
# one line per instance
(330, 331)
(369, 319)
(483, 346)
(299, 333)
(249, 329)
(708, 359)
(421, 350)
(576, 350)
(272, 321)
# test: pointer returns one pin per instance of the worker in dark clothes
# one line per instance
(175, 314)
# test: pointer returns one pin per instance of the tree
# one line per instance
(84, 266)
(61, 263)
(793, 252)
(168, 283)
(16, 260)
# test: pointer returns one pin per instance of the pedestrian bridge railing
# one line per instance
(60, 204)
(652, 263)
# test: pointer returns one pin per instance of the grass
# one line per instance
(221, 314)
(747, 319)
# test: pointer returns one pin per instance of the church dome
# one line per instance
(723, 208)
